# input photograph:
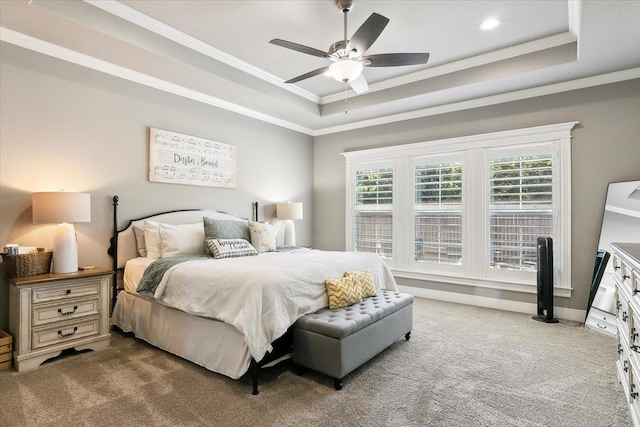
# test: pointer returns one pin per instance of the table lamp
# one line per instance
(64, 209)
(289, 212)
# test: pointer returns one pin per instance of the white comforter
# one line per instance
(263, 295)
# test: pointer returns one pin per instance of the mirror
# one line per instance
(620, 223)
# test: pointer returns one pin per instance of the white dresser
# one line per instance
(626, 265)
(49, 313)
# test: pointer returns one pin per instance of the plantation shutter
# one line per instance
(374, 211)
(438, 222)
(520, 209)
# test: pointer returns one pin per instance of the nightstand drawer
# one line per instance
(66, 290)
(63, 332)
(65, 310)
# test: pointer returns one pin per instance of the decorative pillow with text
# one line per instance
(230, 248)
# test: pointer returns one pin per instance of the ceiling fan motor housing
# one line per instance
(345, 5)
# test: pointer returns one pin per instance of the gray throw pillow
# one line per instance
(225, 229)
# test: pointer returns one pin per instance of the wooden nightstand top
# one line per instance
(51, 277)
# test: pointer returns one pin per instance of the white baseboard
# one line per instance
(499, 304)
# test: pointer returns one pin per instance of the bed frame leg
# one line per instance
(407, 336)
(254, 376)
(337, 383)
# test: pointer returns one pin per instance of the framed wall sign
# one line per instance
(184, 159)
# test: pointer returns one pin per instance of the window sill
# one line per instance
(564, 292)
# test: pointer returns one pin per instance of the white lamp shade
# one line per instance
(289, 210)
(59, 207)
(63, 209)
(345, 70)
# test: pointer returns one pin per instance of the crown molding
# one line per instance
(144, 21)
(586, 82)
(65, 54)
(463, 64)
(59, 52)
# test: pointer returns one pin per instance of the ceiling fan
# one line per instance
(348, 56)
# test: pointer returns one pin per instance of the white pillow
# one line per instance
(182, 239)
(138, 231)
(263, 236)
(230, 248)
(152, 240)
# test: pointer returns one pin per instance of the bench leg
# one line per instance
(407, 336)
(337, 382)
(298, 369)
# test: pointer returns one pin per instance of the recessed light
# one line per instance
(490, 24)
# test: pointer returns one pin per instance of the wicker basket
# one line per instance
(27, 264)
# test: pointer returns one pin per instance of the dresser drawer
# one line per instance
(635, 282)
(633, 394)
(63, 332)
(624, 316)
(65, 310)
(624, 274)
(66, 290)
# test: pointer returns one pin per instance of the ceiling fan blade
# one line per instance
(307, 75)
(359, 85)
(367, 34)
(299, 48)
(396, 59)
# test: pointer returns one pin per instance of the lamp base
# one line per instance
(289, 233)
(65, 249)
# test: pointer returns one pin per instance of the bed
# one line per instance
(231, 315)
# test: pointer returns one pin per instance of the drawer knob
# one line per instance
(626, 367)
(620, 349)
(625, 316)
(68, 291)
(634, 395)
(625, 277)
(65, 313)
(75, 328)
(635, 348)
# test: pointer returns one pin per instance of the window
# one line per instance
(465, 210)
(373, 213)
(437, 211)
(520, 209)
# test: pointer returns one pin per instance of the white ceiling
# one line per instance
(217, 52)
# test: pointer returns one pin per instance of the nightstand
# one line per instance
(52, 312)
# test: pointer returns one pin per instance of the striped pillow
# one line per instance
(364, 280)
(342, 292)
(230, 248)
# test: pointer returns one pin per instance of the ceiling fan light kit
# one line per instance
(347, 55)
(345, 70)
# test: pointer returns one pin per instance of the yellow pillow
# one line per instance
(364, 281)
(342, 292)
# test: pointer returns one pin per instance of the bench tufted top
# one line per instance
(344, 321)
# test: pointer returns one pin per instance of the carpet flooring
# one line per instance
(464, 366)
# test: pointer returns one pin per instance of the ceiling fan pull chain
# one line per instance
(345, 97)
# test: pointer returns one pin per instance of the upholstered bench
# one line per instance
(335, 342)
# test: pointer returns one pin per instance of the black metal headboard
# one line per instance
(113, 248)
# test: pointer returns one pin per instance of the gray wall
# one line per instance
(64, 127)
(605, 148)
